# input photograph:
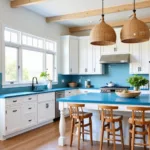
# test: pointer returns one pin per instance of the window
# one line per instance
(26, 56)
(11, 64)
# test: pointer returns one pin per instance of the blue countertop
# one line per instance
(40, 92)
(107, 98)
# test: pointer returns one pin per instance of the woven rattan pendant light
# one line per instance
(102, 34)
(134, 30)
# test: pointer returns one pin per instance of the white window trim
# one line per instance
(20, 83)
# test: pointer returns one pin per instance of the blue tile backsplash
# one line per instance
(117, 73)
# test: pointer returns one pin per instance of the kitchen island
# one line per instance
(91, 101)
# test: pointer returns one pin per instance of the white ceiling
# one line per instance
(61, 7)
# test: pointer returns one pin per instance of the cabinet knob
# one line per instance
(14, 101)
(70, 69)
(47, 105)
(29, 120)
(29, 98)
(94, 69)
(115, 49)
(30, 108)
(14, 110)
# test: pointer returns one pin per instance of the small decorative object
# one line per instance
(110, 84)
(46, 76)
(137, 81)
(72, 84)
(128, 94)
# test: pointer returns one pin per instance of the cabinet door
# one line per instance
(97, 67)
(134, 58)
(83, 55)
(109, 50)
(13, 119)
(73, 55)
(144, 49)
(121, 48)
(45, 111)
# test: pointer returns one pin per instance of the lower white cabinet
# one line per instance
(19, 114)
(46, 111)
(13, 119)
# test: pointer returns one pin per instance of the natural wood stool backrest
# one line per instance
(76, 109)
(138, 114)
(106, 112)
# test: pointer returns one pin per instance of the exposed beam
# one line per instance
(97, 12)
(113, 24)
(18, 3)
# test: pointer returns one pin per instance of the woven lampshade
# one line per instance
(134, 31)
(102, 34)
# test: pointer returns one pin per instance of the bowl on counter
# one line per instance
(72, 84)
(128, 94)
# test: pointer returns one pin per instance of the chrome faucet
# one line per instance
(33, 84)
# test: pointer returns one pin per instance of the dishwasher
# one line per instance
(58, 95)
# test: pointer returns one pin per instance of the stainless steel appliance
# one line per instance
(106, 89)
(58, 95)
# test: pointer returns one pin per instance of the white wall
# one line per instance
(30, 22)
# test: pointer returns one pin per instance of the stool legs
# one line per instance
(72, 131)
(133, 137)
(114, 138)
(148, 129)
(121, 134)
(144, 141)
(79, 133)
(108, 135)
(83, 130)
(101, 135)
(130, 128)
(91, 137)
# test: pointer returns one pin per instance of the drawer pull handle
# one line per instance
(15, 101)
(29, 120)
(29, 98)
(30, 108)
(14, 110)
(47, 105)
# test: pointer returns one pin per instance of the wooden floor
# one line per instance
(45, 138)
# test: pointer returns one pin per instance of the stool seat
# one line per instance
(81, 115)
(115, 118)
(147, 120)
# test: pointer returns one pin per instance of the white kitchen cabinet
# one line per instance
(70, 55)
(89, 57)
(46, 107)
(13, 120)
(118, 48)
(139, 58)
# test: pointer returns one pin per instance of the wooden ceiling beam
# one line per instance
(113, 24)
(90, 13)
(19, 3)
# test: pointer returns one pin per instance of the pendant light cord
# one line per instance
(102, 8)
(134, 10)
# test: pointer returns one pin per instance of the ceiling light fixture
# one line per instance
(102, 34)
(134, 30)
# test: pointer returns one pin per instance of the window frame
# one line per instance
(20, 47)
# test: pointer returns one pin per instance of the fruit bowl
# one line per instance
(72, 84)
(128, 94)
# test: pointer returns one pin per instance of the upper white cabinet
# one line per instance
(118, 48)
(89, 57)
(139, 58)
(69, 49)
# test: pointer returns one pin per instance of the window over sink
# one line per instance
(26, 56)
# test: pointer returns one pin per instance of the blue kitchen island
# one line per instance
(91, 101)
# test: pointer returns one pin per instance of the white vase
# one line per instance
(49, 84)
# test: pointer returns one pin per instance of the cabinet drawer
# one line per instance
(29, 107)
(46, 97)
(30, 98)
(14, 101)
(29, 120)
(70, 92)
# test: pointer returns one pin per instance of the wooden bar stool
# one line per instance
(139, 125)
(77, 120)
(108, 121)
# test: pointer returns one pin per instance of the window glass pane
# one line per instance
(7, 36)
(51, 46)
(32, 64)
(24, 40)
(29, 41)
(14, 37)
(10, 64)
(35, 42)
(50, 65)
(40, 43)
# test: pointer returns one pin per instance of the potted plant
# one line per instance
(46, 76)
(137, 81)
